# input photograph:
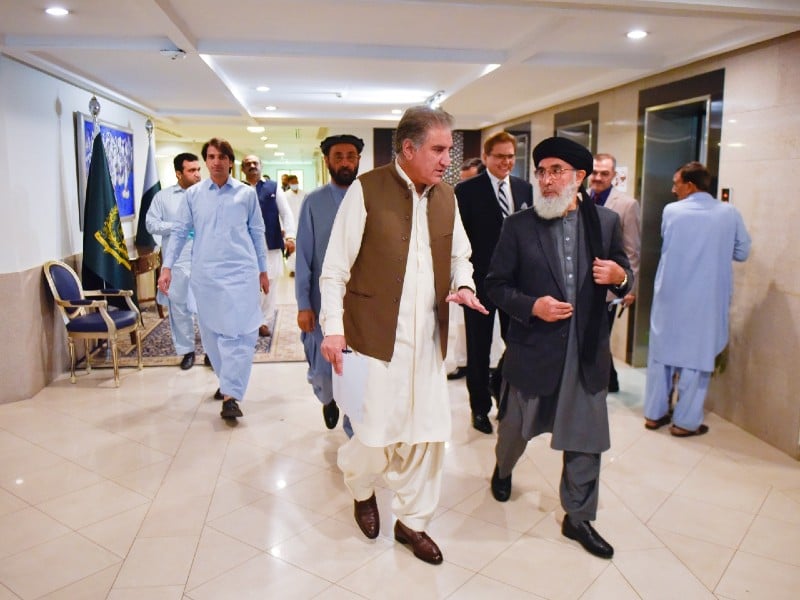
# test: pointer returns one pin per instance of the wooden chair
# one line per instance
(87, 317)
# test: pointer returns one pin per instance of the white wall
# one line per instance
(38, 181)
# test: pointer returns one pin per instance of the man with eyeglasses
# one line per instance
(550, 272)
(341, 154)
(484, 201)
(605, 194)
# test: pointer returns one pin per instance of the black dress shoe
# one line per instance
(230, 409)
(207, 361)
(482, 423)
(458, 373)
(218, 395)
(423, 546)
(188, 361)
(501, 486)
(367, 516)
(331, 414)
(586, 536)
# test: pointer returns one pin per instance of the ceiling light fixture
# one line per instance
(280, 154)
(255, 129)
(173, 53)
(637, 34)
(270, 107)
(435, 100)
(397, 111)
(264, 138)
(270, 145)
(262, 88)
(57, 11)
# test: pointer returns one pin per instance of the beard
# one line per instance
(343, 176)
(553, 207)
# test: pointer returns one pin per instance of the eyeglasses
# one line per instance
(503, 156)
(554, 172)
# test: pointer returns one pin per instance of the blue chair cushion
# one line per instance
(93, 322)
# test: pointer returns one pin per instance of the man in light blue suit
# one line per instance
(341, 154)
(229, 265)
(161, 216)
(691, 299)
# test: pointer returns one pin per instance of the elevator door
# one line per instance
(674, 134)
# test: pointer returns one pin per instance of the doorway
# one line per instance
(673, 131)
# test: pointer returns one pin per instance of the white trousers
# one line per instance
(269, 302)
(412, 471)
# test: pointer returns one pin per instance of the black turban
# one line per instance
(565, 149)
(346, 138)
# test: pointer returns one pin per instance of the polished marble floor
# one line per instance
(144, 493)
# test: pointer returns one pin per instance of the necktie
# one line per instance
(502, 200)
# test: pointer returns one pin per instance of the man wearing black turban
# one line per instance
(550, 272)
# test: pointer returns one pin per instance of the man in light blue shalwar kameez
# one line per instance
(691, 299)
(160, 218)
(341, 154)
(229, 265)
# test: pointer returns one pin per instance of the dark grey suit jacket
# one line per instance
(526, 266)
(480, 213)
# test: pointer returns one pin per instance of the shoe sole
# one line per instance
(658, 423)
(682, 433)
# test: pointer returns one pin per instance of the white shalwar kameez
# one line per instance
(406, 407)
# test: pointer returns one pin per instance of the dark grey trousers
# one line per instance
(580, 475)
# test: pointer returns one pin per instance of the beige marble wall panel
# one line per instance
(33, 343)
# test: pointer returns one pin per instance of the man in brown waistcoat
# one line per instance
(396, 253)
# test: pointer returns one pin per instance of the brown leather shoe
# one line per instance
(423, 546)
(367, 516)
(263, 331)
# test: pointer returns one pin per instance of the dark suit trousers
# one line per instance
(479, 345)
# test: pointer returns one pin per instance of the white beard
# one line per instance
(553, 207)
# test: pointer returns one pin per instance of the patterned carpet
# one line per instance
(157, 350)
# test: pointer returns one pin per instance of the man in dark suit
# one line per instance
(484, 201)
(551, 270)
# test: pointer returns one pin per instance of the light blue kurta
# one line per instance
(694, 281)
(229, 253)
(160, 219)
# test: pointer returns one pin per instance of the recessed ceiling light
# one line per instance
(280, 154)
(271, 107)
(262, 88)
(264, 138)
(637, 34)
(397, 111)
(270, 145)
(57, 11)
(255, 129)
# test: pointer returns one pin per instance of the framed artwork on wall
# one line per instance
(118, 144)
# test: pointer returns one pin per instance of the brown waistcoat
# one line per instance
(372, 297)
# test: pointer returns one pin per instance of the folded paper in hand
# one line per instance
(350, 387)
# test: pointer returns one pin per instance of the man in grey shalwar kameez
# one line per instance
(550, 272)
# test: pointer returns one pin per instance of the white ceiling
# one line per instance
(336, 64)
